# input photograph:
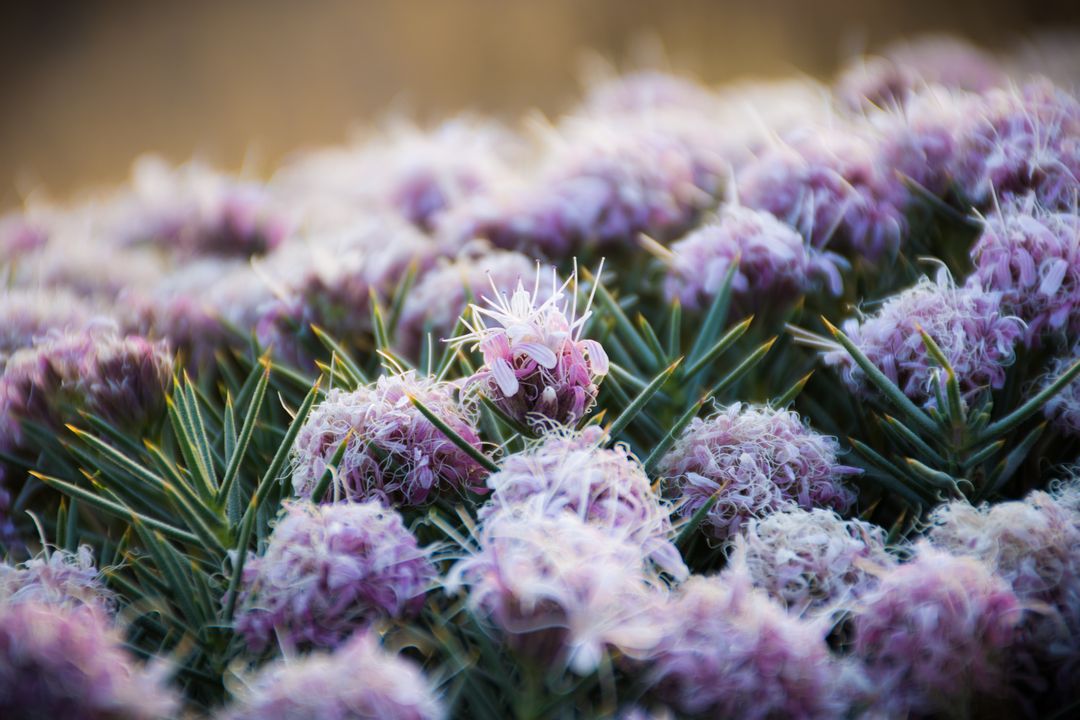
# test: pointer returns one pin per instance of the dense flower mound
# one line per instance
(935, 634)
(441, 296)
(27, 315)
(828, 183)
(605, 487)
(728, 651)
(756, 460)
(1032, 257)
(328, 570)
(975, 333)
(1063, 410)
(120, 378)
(775, 265)
(59, 662)
(561, 590)
(358, 681)
(394, 453)
(1034, 544)
(812, 561)
(58, 578)
(536, 365)
(1026, 139)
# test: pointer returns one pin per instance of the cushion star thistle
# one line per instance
(536, 365)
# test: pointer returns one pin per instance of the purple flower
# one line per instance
(394, 453)
(1032, 257)
(59, 662)
(58, 578)
(440, 297)
(536, 366)
(26, 316)
(811, 561)
(935, 634)
(756, 460)
(562, 591)
(775, 265)
(328, 570)
(976, 335)
(1024, 140)
(358, 681)
(1063, 409)
(727, 650)
(828, 183)
(605, 487)
(648, 91)
(20, 235)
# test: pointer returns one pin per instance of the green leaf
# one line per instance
(454, 437)
(622, 323)
(638, 404)
(691, 526)
(792, 392)
(1032, 406)
(911, 438)
(893, 478)
(668, 440)
(331, 467)
(674, 338)
(1011, 463)
(714, 318)
(348, 365)
(647, 332)
(744, 367)
(729, 339)
(237, 456)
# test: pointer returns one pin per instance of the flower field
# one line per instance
(756, 401)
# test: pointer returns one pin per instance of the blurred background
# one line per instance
(90, 85)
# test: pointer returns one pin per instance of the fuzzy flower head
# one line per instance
(811, 561)
(60, 662)
(438, 299)
(328, 570)
(756, 460)
(561, 590)
(26, 316)
(727, 650)
(774, 261)
(606, 487)
(58, 578)
(358, 681)
(1032, 257)
(536, 365)
(1063, 409)
(975, 333)
(935, 632)
(394, 453)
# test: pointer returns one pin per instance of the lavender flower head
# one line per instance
(1032, 257)
(328, 570)
(606, 487)
(358, 681)
(57, 578)
(61, 662)
(439, 298)
(973, 330)
(774, 262)
(727, 650)
(934, 634)
(536, 365)
(811, 561)
(27, 315)
(394, 453)
(561, 590)
(756, 460)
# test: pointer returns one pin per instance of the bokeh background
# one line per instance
(89, 85)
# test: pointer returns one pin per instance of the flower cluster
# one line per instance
(358, 681)
(754, 461)
(328, 570)
(605, 487)
(63, 662)
(26, 316)
(935, 633)
(536, 365)
(1063, 409)
(976, 335)
(812, 561)
(58, 578)
(393, 453)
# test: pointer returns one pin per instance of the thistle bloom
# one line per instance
(1032, 257)
(727, 650)
(536, 366)
(605, 487)
(775, 264)
(934, 634)
(328, 570)
(358, 681)
(755, 460)
(62, 662)
(812, 561)
(57, 578)
(439, 298)
(394, 453)
(976, 335)
(561, 590)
